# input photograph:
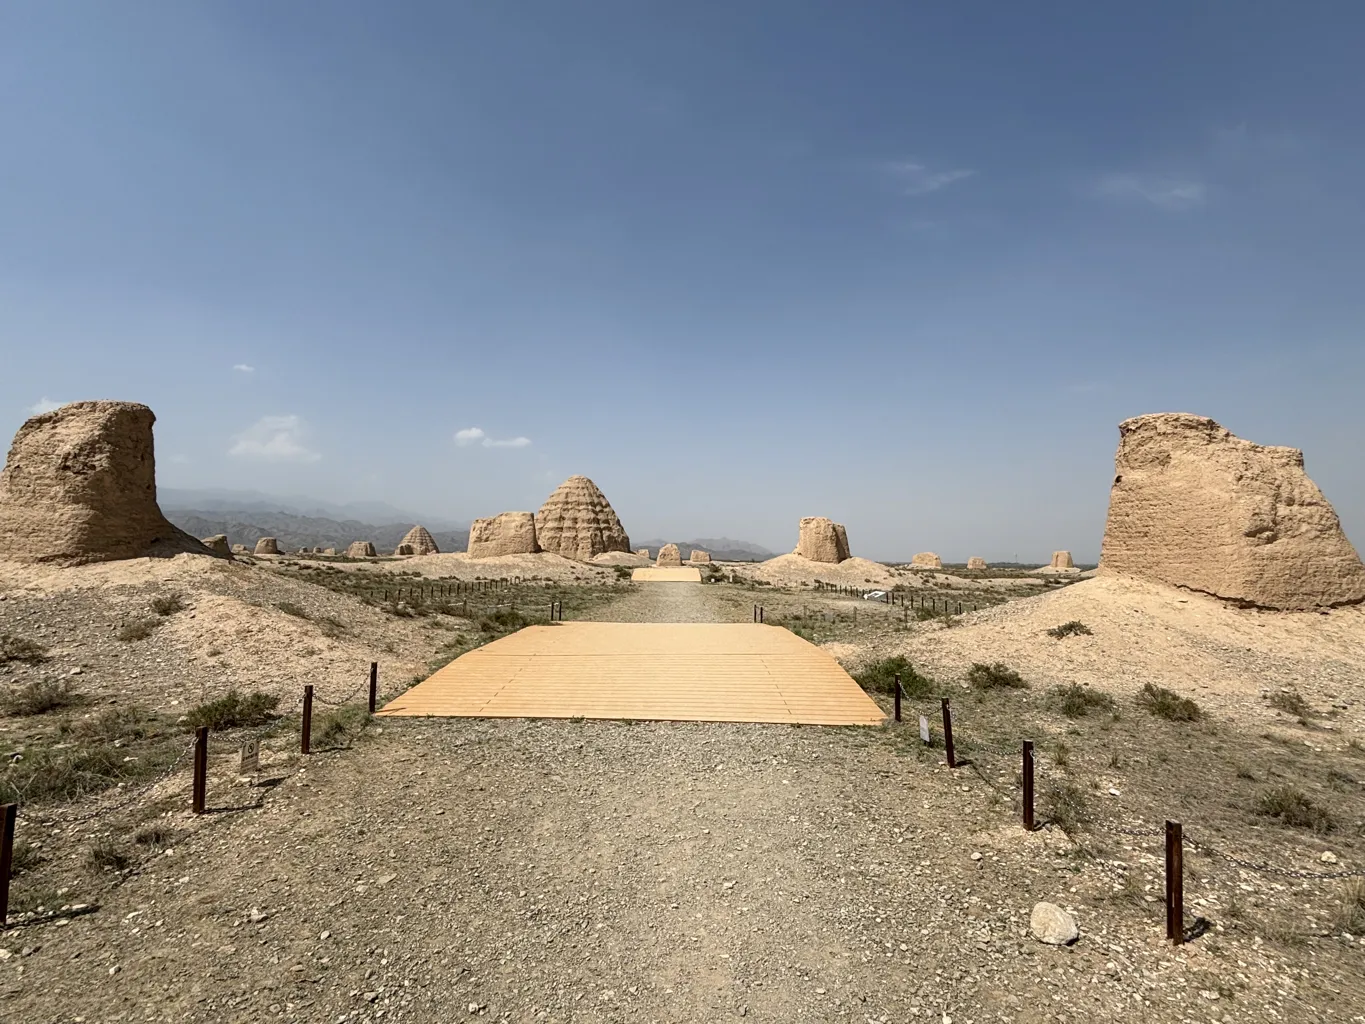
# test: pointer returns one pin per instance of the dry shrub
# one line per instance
(1065, 804)
(1073, 628)
(235, 710)
(1077, 701)
(138, 629)
(168, 605)
(997, 676)
(106, 855)
(1351, 916)
(1292, 807)
(40, 696)
(1167, 704)
(18, 648)
(1291, 702)
(290, 608)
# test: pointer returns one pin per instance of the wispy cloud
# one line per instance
(915, 179)
(1164, 193)
(244, 368)
(44, 404)
(475, 435)
(275, 439)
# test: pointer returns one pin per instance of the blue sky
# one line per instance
(739, 263)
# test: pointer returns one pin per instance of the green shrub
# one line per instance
(997, 676)
(40, 696)
(18, 648)
(1292, 807)
(1167, 704)
(138, 629)
(235, 711)
(1077, 701)
(168, 605)
(503, 620)
(1073, 628)
(880, 677)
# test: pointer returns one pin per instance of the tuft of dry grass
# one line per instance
(997, 676)
(235, 710)
(1291, 702)
(168, 605)
(138, 629)
(1292, 807)
(18, 648)
(40, 696)
(1073, 628)
(1167, 704)
(1077, 701)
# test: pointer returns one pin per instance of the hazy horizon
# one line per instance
(904, 268)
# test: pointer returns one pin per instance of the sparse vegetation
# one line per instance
(997, 676)
(1077, 701)
(18, 648)
(1065, 804)
(340, 727)
(1291, 702)
(155, 837)
(112, 725)
(40, 696)
(1292, 807)
(106, 855)
(290, 608)
(168, 605)
(235, 710)
(1167, 704)
(138, 629)
(1350, 917)
(45, 775)
(1073, 628)
(503, 620)
(880, 677)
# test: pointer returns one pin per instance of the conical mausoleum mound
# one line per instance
(80, 486)
(420, 541)
(1194, 506)
(577, 522)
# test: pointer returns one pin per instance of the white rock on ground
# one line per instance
(1051, 924)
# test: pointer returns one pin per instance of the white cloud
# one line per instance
(1165, 193)
(917, 180)
(275, 439)
(44, 404)
(244, 368)
(468, 436)
(475, 435)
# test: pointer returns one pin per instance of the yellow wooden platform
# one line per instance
(677, 672)
(673, 574)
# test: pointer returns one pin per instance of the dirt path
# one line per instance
(675, 602)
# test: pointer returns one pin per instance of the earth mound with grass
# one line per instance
(79, 486)
(1194, 506)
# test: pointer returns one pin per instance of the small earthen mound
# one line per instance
(421, 542)
(669, 555)
(267, 546)
(329, 551)
(240, 549)
(218, 544)
(361, 549)
(511, 533)
(822, 540)
(403, 549)
(642, 552)
(699, 556)
(1194, 506)
(976, 562)
(79, 486)
(577, 521)
(926, 560)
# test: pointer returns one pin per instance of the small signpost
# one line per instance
(924, 729)
(251, 755)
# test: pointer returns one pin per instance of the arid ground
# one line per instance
(436, 870)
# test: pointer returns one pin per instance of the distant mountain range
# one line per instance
(722, 549)
(292, 531)
(222, 502)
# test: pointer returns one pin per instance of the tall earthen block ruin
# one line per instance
(267, 546)
(1062, 560)
(1192, 505)
(361, 549)
(669, 555)
(699, 556)
(927, 560)
(79, 485)
(511, 533)
(977, 563)
(822, 540)
(578, 522)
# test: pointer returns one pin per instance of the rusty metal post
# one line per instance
(374, 684)
(948, 734)
(898, 697)
(201, 767)
(1028, 785)
(760, 614)
(7, 815)
(1175, 883)
(307, 734)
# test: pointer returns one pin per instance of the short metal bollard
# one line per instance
(374, 684)
(898, 698)
(201, 768)
(306, 735)
(948, 734)
(1028, 785)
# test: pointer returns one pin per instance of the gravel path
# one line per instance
(675, 602)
